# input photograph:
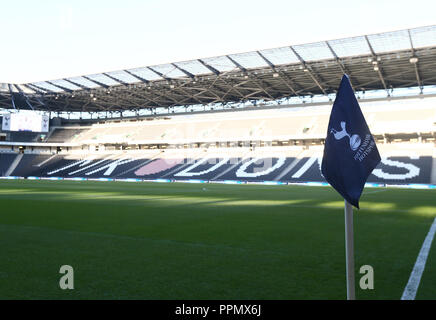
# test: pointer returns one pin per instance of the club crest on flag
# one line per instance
(354, 139)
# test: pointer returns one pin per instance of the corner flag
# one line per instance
(350, 152)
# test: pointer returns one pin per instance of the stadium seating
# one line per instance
(64, 134)
(402, 163)
(5, 162)
(282, 124)
(24, 136)
(115, 149)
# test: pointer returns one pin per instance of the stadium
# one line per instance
(201, 179)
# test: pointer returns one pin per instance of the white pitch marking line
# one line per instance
(415, 277)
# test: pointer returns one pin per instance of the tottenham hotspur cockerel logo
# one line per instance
(354, 139)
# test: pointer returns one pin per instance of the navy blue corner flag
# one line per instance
(350, 152)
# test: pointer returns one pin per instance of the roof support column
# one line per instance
(378, 68)
(340, 64)
(414, 60)
(12, 96)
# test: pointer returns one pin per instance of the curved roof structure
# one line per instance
(398, 59)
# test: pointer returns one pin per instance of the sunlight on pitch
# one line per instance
(363, 205)
(258, 202)
(378, 205)
(332, 204)
(425, 211)
(14, 191)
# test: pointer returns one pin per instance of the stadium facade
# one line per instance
(252, 117)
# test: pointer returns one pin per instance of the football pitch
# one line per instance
(206, 241)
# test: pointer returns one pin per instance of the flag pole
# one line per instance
(349, 249)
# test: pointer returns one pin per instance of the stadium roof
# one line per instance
(398, 59)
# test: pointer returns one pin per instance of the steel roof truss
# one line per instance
(309, 71)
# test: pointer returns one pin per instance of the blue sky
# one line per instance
(47, 39)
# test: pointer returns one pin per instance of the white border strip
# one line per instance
(415, 277)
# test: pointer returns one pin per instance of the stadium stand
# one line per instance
(5, 162)
(24, 136)
(249, 146)
(65, 134)
(264, 141)
(402, 163)
(297, 123)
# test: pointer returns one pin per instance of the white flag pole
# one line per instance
(349, 249)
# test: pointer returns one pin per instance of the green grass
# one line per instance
(179, 241)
